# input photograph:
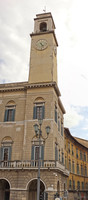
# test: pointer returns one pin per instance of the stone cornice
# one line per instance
(23, 86)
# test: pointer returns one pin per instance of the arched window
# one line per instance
(43, 27)
(6, 149)
(10, 111)
(39, 108)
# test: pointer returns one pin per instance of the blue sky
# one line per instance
(81, 129)
(71, 20)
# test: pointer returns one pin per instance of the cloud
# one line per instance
(72, 118)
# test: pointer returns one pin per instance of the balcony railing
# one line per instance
(32, 164)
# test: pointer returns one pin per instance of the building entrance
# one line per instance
(32, 189)
(4, 190)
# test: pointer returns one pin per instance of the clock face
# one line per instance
(41, 44)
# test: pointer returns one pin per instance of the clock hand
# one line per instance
(41, 44)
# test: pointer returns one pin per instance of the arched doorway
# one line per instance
(4, 190)
(32, 189)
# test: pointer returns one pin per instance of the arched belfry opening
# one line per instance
(32, 189)
(4, 190)
(43, 27)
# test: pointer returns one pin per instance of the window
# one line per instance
(69, 147)
(78, 185)
(69, 165)
(5, 153)
(59, 124)
(9, 113)
(38, 112)
(62, 158)
(65, 162)
(85, 173)
(76, 153)
(56, 152)
(62, 128)
(77, 168)
(84, 156)
(55, 114)
(6, 148)
(59, 155)
(73, 185)
(43, 27)
(86, 185)
(73, 167)
(81, 155)
(70, 184)
(35, 154)
(82, 185)
(72, 150)
(81, 169)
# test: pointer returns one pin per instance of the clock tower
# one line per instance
(43, 55)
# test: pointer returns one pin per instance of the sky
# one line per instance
(71, 20)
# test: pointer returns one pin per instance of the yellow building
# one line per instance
(21, 106)
(76, 161)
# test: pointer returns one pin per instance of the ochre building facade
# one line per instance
(22, 105)
(76, 161)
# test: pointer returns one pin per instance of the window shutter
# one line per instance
(43, 111)
(55, 116)
(5, 117)
(42, 152)
(58, 125)
(9, 154)
(70, 184)
(34, 112)
(1, 153)
(56, 153)
(61, 129)
(13, 114)
(32, 153)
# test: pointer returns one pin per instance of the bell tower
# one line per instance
(43, 54)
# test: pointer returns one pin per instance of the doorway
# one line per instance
(4, 190)
(32, 189)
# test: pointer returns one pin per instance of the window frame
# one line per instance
(7, 117)
(9, 153)
(35, 111)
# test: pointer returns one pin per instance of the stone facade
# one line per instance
(21, 105)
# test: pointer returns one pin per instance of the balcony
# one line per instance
(33, 164)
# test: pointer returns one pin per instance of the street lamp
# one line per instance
(38, 133)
